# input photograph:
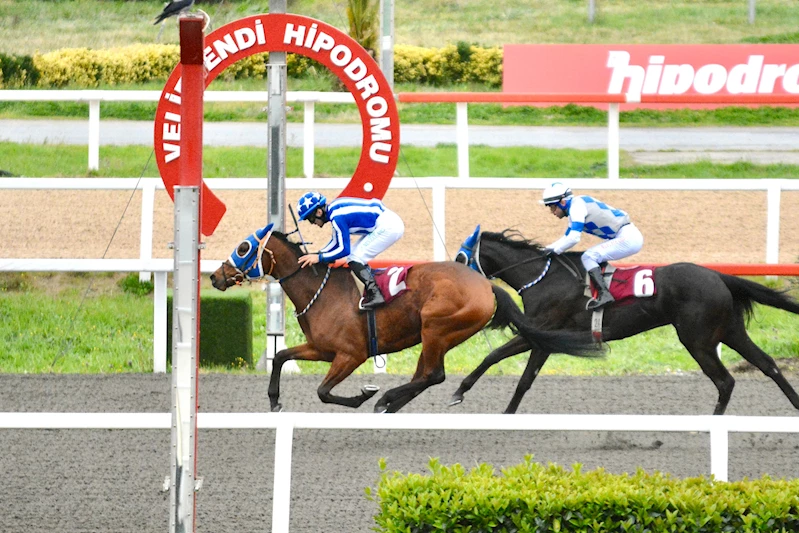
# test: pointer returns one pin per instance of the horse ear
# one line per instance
(261, 233)
(471, 240)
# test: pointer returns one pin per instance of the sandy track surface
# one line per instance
(75, 481)
(696, 226)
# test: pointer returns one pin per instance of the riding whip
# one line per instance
(302, 239)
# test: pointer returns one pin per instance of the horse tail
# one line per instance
(508, 314)
(746, 293)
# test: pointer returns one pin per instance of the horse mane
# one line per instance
(295, 247)
(513, 238)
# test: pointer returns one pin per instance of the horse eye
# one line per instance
(243, 249)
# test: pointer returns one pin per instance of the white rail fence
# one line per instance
(308, 98)
(718, 428)
(439, 186)
(95, 97)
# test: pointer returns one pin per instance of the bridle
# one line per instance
(243, 275)
(474, 261)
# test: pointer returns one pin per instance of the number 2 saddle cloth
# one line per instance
(391, 281)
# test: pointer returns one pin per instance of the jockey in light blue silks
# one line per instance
(378, 225)
(589, 215)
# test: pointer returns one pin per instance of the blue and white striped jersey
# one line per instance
(349, 216)
(589, 215)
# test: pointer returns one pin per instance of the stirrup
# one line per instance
(597, 303)
(365, 305)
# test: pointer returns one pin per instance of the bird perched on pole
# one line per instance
(171, 9)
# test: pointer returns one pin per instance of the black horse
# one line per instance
(704, 306)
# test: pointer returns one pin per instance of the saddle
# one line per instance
(625, 284)
(390, 282)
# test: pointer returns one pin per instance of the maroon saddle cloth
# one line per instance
(629, 283)
(391, 281)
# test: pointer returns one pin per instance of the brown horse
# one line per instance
(446, 304)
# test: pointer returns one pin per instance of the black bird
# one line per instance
(173, 8)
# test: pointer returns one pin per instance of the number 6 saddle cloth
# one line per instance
(627, 283)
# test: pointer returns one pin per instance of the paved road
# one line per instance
(647, 145)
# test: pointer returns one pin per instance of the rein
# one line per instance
(567, 264)
(318, 291)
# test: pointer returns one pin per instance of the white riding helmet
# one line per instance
(555, 193)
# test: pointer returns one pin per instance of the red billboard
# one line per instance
(652, 69)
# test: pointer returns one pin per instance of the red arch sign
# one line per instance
(348, 60)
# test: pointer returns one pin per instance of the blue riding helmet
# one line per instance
(308, 204)
(245, 256)
(466, 254)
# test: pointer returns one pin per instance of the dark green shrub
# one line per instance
(17, 71)
(225, 328)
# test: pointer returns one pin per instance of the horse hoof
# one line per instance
(455, 400)
(277, 408)
(370, 389)
(381, 409)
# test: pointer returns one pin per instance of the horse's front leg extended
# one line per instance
(515, 346)
(344, 365)
(303, 352)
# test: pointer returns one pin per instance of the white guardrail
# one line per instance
(309, 98)
(94, 97)
(718, 428)
(439, 185)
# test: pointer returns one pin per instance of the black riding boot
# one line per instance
(373, 296)
(603, 296)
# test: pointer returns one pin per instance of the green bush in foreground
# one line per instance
(531, 497)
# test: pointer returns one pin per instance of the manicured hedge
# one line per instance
(531, 497)
(138, 63)
(225, 328)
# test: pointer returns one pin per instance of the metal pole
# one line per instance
(387, 40)
(276, 178)
(186, 299)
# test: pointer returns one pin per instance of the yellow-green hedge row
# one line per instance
(82, 67)
(532, 497)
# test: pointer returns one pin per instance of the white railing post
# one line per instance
(462, 136)
(719, 451)
(773, 222)
(94, 134)
(308, 140)
(159, 322)
(147, 214)
(281, 489)
(439, 222)
(613, 141)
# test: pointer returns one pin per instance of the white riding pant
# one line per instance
(627, 242)
(388, 229)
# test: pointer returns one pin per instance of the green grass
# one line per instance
(479, 114)
(36, 25)
(68, 323)
(32, 160)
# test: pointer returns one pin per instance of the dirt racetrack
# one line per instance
(697, 226)
(77, 481)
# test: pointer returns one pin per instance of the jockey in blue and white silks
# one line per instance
(379, 227)
(589, 215)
